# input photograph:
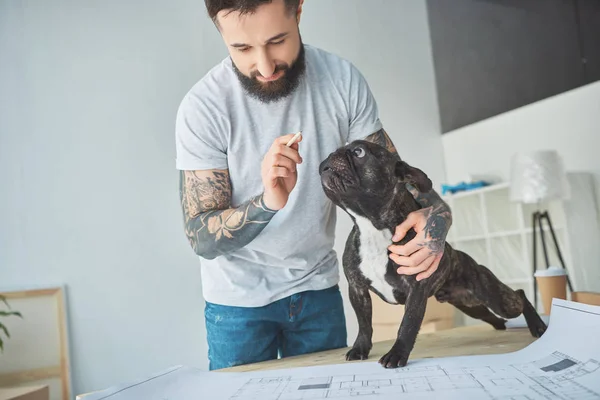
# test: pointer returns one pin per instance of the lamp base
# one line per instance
(538, 217)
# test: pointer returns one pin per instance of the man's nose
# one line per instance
(265, 65)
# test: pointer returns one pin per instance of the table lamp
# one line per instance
(537, 177)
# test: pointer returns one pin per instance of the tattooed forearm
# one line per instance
(203, 191)
(438, 215)
(212, 226)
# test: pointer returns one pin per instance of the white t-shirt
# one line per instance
(219, 126)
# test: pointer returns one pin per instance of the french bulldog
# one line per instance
(370, 183)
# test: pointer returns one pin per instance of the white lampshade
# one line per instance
(538, 176)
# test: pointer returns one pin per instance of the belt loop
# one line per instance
(295, 306)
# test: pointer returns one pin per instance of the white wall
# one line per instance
(88, 94)
(568, 123)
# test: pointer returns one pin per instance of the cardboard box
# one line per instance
(591, 298)
(386, 318)
(39, 392)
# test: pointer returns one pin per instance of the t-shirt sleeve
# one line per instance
(364, 114)
(199, 137)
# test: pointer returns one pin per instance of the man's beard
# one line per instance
(272, 91)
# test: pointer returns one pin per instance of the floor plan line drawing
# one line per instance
(551, 377)
(564, 364)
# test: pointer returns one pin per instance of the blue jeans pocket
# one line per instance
(239, 336)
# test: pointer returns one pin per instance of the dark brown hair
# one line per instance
(243, 6)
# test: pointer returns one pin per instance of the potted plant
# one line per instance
(3, 327)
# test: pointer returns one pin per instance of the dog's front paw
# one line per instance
(357, 353)
(394, 358)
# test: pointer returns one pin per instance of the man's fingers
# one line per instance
(284, 139)
(419, 268)
(291, 153)
(278, 172)
(281, 161)
(410, 221)
(288, 152)
(406, 249)
(279, 146)
(432, 268)
(411, 261)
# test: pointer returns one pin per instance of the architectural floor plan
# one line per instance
(551, 377)
(563, 364)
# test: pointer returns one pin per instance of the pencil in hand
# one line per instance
(293, 139)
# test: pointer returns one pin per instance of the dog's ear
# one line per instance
(414, 176)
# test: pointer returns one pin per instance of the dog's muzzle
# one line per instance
(337, 173)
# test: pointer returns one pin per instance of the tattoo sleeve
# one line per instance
(212, 226)
(439, 218)
(437, 212)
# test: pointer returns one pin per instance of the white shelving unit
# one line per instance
(498, 233)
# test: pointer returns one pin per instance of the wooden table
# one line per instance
(461, 341)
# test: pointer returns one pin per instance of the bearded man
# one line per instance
(253, 206)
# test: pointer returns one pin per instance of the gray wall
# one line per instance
(88, 94)
(491, 57)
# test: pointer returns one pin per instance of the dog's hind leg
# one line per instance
(509, 303)
(536, 325)
(484, 314)
(502, 300)
(468, 303)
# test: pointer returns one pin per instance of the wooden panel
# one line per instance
(37, 392)
(492, 56)
(30, 375)
(37, 351)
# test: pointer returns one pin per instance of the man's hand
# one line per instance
(279, 173)
(423, 253)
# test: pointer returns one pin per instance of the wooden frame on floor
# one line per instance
(35, 327)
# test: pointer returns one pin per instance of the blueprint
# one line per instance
(550, 377)
(563, 364)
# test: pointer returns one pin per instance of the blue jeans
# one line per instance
(303, 323)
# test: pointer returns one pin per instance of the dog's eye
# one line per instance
(359, 152)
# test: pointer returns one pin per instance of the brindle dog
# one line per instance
(370, 184)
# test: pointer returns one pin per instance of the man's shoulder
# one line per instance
(332, 68)
(210, 90)
(326, 59)
(217, 79)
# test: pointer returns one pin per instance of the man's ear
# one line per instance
(414, 176)
(299, 10)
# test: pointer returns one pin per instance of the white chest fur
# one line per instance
(373, 255)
